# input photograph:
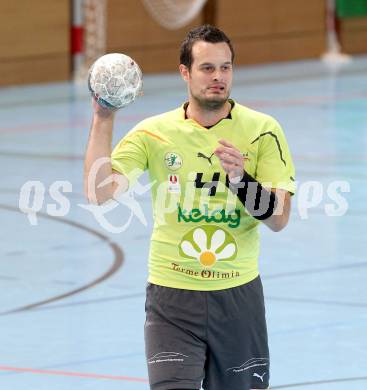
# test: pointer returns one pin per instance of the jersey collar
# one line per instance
(229, 116)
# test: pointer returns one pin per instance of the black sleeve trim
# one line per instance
(276, 140)
(259, 202)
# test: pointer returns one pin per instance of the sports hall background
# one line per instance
(35, 42)
(72, 293)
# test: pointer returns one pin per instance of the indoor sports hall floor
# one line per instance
(72, 294)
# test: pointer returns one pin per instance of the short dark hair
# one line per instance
(206, 33)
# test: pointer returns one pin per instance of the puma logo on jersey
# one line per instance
(207, 158)
(261, 377)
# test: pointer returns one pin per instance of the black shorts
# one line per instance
(215, 339)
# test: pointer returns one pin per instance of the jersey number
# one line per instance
(211, 185)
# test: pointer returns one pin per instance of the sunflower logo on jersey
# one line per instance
(208, 244)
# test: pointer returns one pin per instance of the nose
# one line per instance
(218, 75)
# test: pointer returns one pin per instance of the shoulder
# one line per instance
(157, 127)
(160, 120)
(261, 120)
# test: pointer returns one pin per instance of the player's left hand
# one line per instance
(231, 159)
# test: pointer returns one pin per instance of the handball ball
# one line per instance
(115, 80)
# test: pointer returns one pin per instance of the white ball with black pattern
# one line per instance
(115, 80)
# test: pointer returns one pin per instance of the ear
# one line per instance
(185, 73)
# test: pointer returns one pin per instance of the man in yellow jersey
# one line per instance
(224, 168)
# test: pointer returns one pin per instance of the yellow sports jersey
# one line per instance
(203, 238)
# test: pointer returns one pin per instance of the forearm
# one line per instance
(97, 166)
(272, 207)
(279, 219)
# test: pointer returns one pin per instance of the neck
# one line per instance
(207, 117)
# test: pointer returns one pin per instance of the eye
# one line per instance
(226, 67)
(208, 68)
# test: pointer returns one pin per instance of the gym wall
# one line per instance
(132, 30)
(261, 30)
(353, 35)
(268, 30)
(35, 35)
(34, 41)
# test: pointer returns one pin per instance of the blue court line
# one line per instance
(116, 265)
(317, 302)
(312, 328)
(264, 277)
(320, 382)
(79, 362)
(76, 94)
(91, 301)
(314, 271)
(142, 295)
